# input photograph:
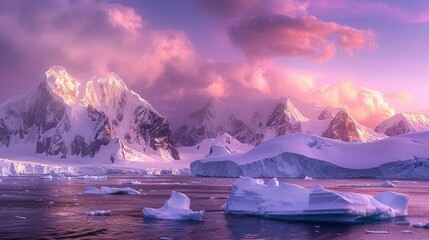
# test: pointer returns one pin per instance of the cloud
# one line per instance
(89, 35)
(164, 67)
(403, 97)
(367, 106)
(280, 35)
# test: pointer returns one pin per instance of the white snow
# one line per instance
(292, 202)
(348, 155)
(175, 208)
(413, 122)
(202, 149)
(99, 213)
(375, 232)
(109, 190)
(131, 182)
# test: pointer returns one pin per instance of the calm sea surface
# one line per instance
(34, 208)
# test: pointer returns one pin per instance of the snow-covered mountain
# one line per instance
(107, 120)
(286, 119)
(213, 118)
(261, 125)
(403, 123)
(300, 155)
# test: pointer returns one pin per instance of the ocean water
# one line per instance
(34, 208)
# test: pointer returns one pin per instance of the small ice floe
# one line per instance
(387, 184)
(212, 197)
(109, 190)
(406, 231)
(20, 217)
(95, 177)
(405, 223)
(375, 232)
(165, 238)
(50, 203)
(175, 208)
(308, 178)
(287, 201)
(131, 182)
(420, 225)
(46, 176)
(99, 213)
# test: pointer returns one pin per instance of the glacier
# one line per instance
(301, 155)
(286, 201)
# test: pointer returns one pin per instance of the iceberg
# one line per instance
(175, 208)
(286, 201)
(109, 190)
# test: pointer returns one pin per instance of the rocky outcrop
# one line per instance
(343, 128)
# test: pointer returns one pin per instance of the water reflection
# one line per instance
(248, 227)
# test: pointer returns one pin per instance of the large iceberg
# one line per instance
(301, 155)
(292, 202)
(175, 208)
(109, 190)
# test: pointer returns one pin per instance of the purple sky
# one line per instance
(367, 56)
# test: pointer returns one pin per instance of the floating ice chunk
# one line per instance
(251, 196)
(387, 184)
(292, 202)
(46, 176)
(397, 201)
(95, 177)
(131, 182)
(406, 231)
(375, 232)
(308, 178)
(175, 208)
(99, 213)
(20, 217)
(405, 223)
(419, 225)
(109, 190)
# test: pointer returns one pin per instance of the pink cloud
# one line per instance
(280, 35)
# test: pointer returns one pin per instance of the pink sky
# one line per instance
(369, 57)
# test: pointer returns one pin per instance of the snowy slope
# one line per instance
(403, 123)
(202, 149)
(286, 155)
(55, 119)
(213, 118)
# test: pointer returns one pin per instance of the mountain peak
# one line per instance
(61, 84)
(342, 127)
(402, 123)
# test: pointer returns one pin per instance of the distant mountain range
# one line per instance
(103, 118)
(106, 120)
(284, 118)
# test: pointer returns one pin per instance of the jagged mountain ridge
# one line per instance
(213, 118)
(56, 120)
(284, 118)
(403, 123)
